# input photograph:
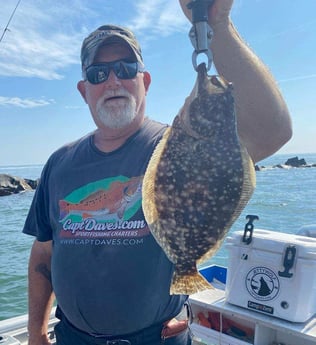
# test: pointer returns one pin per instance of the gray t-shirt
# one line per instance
(109, 275)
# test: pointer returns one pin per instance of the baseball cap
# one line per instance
(108, 34)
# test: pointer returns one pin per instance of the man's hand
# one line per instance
(218, 12)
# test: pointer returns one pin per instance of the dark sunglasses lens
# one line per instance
(125, 70)
(97, 74)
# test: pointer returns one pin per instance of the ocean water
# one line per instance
(284, 200)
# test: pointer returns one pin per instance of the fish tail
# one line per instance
(188, 284)
(63, 209)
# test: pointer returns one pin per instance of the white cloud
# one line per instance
(41, 40)
(158, 17)
(300, 77)
(24, 103)
(44, 37)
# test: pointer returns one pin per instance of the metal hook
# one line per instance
(201, 33)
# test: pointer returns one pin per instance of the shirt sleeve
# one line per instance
(37, 221)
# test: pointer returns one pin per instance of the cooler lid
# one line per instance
(276, 242)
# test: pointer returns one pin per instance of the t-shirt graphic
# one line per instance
(107, 208)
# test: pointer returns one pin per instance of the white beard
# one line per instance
(118, 113)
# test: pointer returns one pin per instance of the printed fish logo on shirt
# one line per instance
(105, 203)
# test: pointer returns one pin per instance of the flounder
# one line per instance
(199, 179)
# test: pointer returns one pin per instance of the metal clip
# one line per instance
(248, 231)
(201, 33)
(288, 261)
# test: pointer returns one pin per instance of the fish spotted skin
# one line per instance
(199, 179)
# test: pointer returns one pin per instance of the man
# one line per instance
(93, 249)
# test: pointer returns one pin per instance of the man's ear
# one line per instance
(147, 80)
(82, 89)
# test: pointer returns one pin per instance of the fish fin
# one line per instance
(63, 210)
(188, 284)
(121, 210)
(86, 215)
(148, 187)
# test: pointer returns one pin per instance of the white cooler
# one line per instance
(272, 273)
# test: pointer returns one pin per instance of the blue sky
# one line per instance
(41, 109)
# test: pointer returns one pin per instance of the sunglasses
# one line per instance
(99, 72)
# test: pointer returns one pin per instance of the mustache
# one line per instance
(115, 93)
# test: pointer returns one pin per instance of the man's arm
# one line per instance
(263, 120)
(41, 295)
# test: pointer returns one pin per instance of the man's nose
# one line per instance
(113, 81)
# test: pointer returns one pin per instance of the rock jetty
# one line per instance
(12, 185)
(293, 162)
(296, 162)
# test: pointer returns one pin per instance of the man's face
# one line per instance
(116, 103)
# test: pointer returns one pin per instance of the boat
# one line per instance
(232, 325)
(241, 326)
(13, 331)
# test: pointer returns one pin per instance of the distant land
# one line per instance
(10, 184)
(294, 162)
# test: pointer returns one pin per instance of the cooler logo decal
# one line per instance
(262, 284)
